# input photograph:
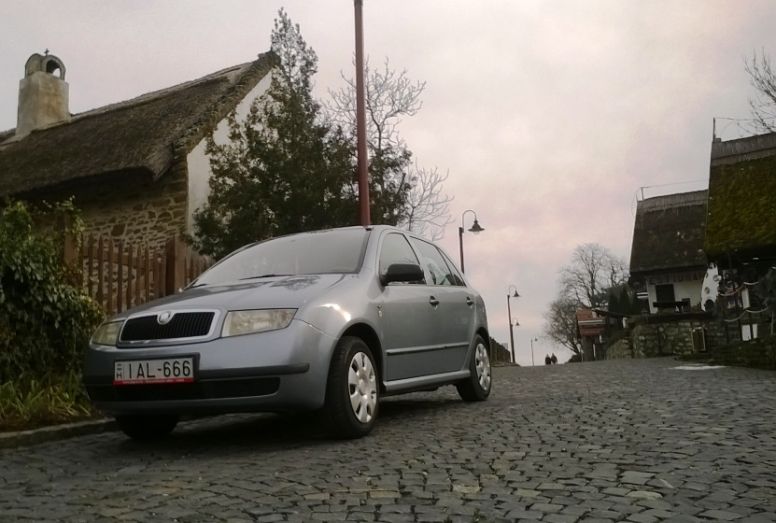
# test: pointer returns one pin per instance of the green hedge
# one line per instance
(45, 322)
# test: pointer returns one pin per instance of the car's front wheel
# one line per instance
(352, 389)
(145, 427)
(477, 386)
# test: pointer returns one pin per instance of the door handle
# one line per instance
(433, 301)
(469, 301)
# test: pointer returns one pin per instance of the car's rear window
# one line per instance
(325, 252)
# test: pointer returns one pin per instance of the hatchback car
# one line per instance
(329, 321)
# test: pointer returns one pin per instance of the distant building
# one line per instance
(137, 169)
(591, 327)
(668, 263)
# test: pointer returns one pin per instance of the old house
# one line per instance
(741, 231)
(137, 169)
(668, 263)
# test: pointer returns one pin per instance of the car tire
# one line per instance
(352, 390)
(147, 427)
(478, 385)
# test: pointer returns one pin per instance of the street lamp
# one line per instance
(512, 294)
(532, 358)
(474, 229)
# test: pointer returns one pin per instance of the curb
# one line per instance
(55, 432)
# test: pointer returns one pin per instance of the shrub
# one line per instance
(45, 322)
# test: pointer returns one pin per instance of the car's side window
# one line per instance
(437, 272)
(395, 249)
(457, 278)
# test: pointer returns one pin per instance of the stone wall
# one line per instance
(621, 349)
(672, 335)
(758, 353)
(131, 206)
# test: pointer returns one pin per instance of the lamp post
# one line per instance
(532, 357)
(474, 229)
(514, 294)
(363, 177)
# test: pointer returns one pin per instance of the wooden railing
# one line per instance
(120, 275)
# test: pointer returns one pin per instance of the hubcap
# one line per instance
(482, 364)
(362, 387)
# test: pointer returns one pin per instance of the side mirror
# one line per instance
(402, 273)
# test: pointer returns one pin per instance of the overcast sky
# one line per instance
(548, 115)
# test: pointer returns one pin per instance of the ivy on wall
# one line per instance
(45, 322)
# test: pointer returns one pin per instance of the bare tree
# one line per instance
(592, 272)
(561, 324)
(428, 207)
(390, 97)
(584, 283)
(763, 79)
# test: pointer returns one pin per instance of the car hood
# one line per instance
(291, 292)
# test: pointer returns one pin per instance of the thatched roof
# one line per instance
(145, 134)
(668, 233)
(742, 198)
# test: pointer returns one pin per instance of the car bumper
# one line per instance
(272, 371)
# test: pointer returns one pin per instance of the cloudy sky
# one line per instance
(548, 115)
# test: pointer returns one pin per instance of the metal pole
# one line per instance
(532, 357)
(363, 177)
(460, 246)
(511, 331)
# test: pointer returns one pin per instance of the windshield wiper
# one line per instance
(269, 275)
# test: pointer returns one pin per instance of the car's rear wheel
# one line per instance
(146, 427)
(477, 386)
(352, 389)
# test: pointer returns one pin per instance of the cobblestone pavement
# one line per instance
(607, 441)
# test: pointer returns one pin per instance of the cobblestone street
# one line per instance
(608, 441)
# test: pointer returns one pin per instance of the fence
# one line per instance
(120, 275)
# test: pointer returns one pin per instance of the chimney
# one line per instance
(43, 94)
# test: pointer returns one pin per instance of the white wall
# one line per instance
(682, 289)
(198, 162)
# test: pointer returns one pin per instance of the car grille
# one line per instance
(205, 389)
(182, 325)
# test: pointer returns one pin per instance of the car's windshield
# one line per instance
(334, 251)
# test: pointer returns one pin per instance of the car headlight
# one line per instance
(249, 322)
(107, 333)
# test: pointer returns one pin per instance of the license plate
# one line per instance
(140, 372)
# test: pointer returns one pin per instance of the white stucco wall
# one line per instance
(682, 289)
(197, 160)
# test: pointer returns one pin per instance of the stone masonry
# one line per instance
(133, 207)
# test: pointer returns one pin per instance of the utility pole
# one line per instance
(363, 175)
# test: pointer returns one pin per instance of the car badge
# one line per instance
(163, 318)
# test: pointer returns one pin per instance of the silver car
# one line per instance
(328, 321)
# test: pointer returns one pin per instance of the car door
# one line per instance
(405, 314)
(454, 312)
